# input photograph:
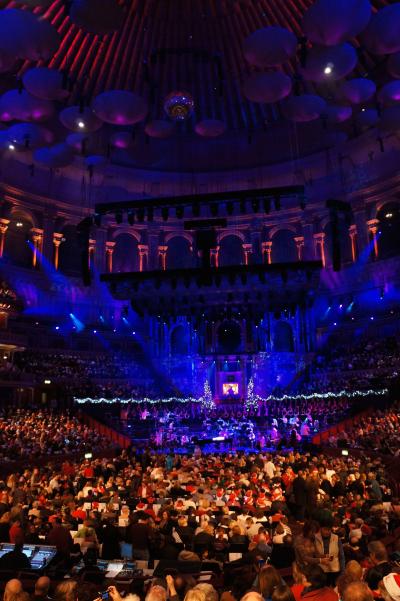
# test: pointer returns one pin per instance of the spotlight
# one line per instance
(94, 331)
(363, 110)
(372, 318)
(382, 294)
(57, 327)
(133, 333)
(118, 217)
(389, 215)
(328, 69)
(334, 323)
(19, 224)
(11, 147)
(341, 306)
(81, 124)
(165, 213)
(47, 382)
(131, 217)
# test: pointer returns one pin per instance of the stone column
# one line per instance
(353, 241)
(143, 256)
(373, 230)
(247, 250)
(110, 245)
(214, 256)
(3, 230)
(92, 253)
(37, 239)
(299, 240)
(162, 257)
(266, 248)
(319, 241)
(57, 240)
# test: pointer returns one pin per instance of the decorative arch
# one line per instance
(179, 253)
(388, 218)
(283, 246)
(18, 212)
(16, 248)
(170, 235)
(130, 232)
(226, 233)
(231, 250)
(377, 208)
(126, 253)
(277, 228)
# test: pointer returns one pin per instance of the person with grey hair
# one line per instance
(209, 591)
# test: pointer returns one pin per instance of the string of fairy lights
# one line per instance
(271, 398)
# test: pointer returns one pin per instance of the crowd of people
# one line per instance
(379, 432)
(80, 366)
(321, 519)
(28, 434)
(352, 366)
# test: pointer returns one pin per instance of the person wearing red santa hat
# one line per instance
(390, 587)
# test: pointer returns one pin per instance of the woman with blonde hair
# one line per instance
(195, 594)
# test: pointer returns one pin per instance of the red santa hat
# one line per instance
(220, 493)
(391, 583)
(141, 506)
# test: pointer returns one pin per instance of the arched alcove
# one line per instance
(180, 340)
(126, 254)
(282, 339)
(229, 337)
(70, 253)
(284, 247)
(179, 255)
(389, 228)
(17, 250)
(231, 251)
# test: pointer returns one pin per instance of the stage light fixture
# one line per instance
(328, 69)
(165, 213)
(131, 217)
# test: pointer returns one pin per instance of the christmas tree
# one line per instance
(250, 403)
(207, 399)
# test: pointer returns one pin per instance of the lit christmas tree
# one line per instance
(207, 399)
(250, 403)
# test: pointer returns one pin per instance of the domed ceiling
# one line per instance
(194, 84)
